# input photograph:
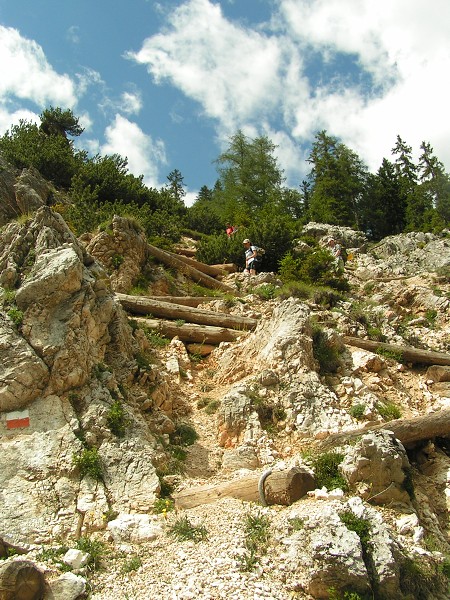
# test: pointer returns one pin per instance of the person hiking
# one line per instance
(250, 257)
(336, 251)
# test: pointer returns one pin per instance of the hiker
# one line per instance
(250, 257)
(230, 229)
(336, 251)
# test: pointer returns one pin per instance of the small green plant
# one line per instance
(110, 515)
(266, 291)
(390, 354)
(16, 316)
(333, 594)
(180, 322)
(257, 535)
(326, 470)
(357, 411)
(8, 296)
(202, 402)
(142, 362)
(359, 525)
(163, 505)
(117, 260)
(212, 407)
(88, 462)
(206, 387)
(326, 355)
(183, 530)
(157, 340)
(184, 435)
(297, 523)
(131, 564)
(54, 555)
(388, 410)
(116, 419)
(96, 550)
(375, 334)
(431, 316)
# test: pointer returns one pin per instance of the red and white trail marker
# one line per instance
(17, 418)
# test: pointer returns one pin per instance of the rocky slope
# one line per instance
(84, 386)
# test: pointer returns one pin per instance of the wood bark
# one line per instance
(185, 251)
(184, 300)
(142, 305)
(21, 580)
(194, 274)
(408, 431)
(201, 349)
(190, 332)
(408, 353)
(281, 487)
(212, 271)
(227, 267)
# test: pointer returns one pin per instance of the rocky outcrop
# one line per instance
(66, 353)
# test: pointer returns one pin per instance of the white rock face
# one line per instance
(136, 528)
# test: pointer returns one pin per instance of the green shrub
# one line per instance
(131, 564)
(326, 470)
(183, 530)
(212, 407)
(117, 260)
(96, 550)
(16, 316)
(88, 463)
(359, 525)
(257, 535)
(390, 354)
(327, 355)
(357, 411)
(116, 419)
(184, 435)
(388, 410)
(163, 505)
(266, 291)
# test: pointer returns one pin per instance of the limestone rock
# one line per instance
(67, 586)
(135, 528)
(377, 466)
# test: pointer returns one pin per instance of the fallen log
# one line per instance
(200, 349)
(190, 332)
(407, 353)
(174, 261)
(185, 251)
(142, 305)
(212, 271)
(280, 487)
(21, 579)
(184, 300)
(408, 431)
(227, 267)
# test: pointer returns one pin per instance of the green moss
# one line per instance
(326, 470)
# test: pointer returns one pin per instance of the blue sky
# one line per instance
(167, 83)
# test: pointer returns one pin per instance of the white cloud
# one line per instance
(144, 155)
(27, 75)
(230, 71)
(395, 83)
(131, 102)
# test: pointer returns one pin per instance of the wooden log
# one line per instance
(281, 487)
(185, 300)
(227, 267)
(408, 431)
(200, 349)
(142, 305)
(21, 580)
(408, 353)
(194, 274)
(190, 332)
(185, 251)
(212, 271)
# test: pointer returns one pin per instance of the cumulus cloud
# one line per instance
(131, 102)
(26, 73)
(144, 154)
(363, 71)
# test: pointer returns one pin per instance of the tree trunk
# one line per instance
(201, 349)
(185, 251)
(212, 271)
(21, 580)
(194, 274)
(280, 487)
(143, 306)
(184, 300)
(408, 431)
(190, 332)
(408, 353)
(227, 267)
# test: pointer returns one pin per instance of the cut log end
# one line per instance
(21, 580)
